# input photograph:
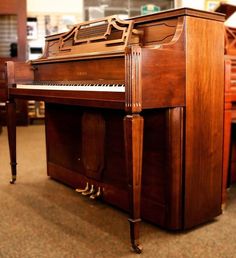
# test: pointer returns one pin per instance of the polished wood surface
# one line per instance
(162, 163)
(133, 137)
(93, 132)
(204, 145)
(156, 149)
(105, 35)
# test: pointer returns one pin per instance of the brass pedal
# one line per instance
(89, 191)
(96, 195)
(78, 190)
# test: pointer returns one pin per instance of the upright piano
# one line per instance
(133, 114)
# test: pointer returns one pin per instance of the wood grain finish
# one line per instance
(175, 129)
(108, 34)
(133, 137)
(161, 198)
(133, 91)
(11, 128)
(17, 72)
(163, 74)
(93, 140)
(158, 32)
(204, 120)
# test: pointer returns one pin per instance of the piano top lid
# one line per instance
(172, 13)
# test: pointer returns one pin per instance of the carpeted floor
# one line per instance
(43, 218)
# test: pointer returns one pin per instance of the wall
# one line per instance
(231, 2)
(55, 6)
(198, 4)
(53, 16)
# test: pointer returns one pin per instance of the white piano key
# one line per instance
(74, 87)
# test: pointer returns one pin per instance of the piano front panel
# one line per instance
(112, 69)
(100, 72)
(69, 163)
(163, 77)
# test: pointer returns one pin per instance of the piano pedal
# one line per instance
(89, 191)
(79, 190)
(96, 195)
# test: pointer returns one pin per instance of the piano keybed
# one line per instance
(74, 86)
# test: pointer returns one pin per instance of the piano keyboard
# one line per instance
(74, 87)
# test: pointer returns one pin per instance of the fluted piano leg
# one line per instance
(133, 132)
(11, 128)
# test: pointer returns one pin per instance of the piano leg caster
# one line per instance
(96, 195)
(13, 179)
(137, 248)
(83, 190)
(13, 172)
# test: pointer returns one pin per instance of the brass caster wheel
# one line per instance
(137, 248)
(13, 180)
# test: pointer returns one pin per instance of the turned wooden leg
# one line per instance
(11, 128)
(133, 133)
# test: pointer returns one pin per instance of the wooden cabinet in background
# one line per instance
(12, 47)
(229, 161)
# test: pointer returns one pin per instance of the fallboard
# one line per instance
(80, 70)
